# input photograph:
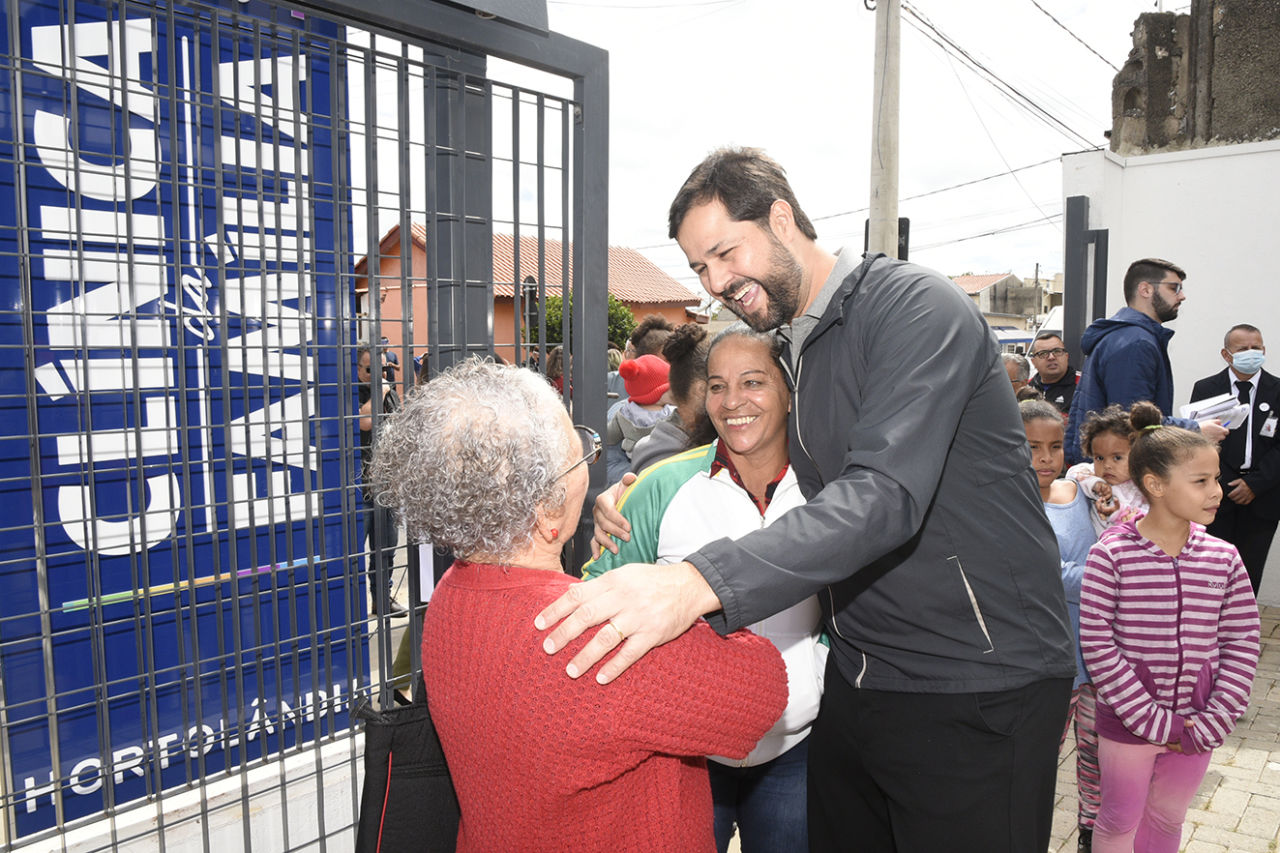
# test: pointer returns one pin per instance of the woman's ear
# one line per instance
(546, 526)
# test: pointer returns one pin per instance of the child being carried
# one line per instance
(1106, 437)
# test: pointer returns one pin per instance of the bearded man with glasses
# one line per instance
(1127, 354)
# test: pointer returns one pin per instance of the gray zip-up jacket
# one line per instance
(924, 533)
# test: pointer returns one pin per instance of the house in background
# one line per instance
(1009, 306)
(633, 280)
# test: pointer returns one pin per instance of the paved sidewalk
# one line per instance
(1238, 806)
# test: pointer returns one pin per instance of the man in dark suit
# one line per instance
(1250, 460)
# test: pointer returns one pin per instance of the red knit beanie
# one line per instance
(645, 378)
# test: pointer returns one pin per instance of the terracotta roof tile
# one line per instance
(972, 284)
(633, 278)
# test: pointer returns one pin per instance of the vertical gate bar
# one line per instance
(139, 559)
(191, 101)
(103, 691)
(407, 283)
(339, 50)
(256, 523)
(518, 308)
(186, 657)
(233, 714)
(431, 115)
(220, 604)
(591, 246)
(155, 782)
(33, 430)
(542, 283)
(540, 229)
(374, 562)
(14, 72)
(313, 455)
(277, 41)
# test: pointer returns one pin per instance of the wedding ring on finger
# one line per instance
(621, 636)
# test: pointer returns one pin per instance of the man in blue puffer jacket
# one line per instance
(1128, 353)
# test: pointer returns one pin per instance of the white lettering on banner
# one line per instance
(134, 304)
(105, 183)
(95, 533)
(247, 81)
(136, 759)
(58, 49)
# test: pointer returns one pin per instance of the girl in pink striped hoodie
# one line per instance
(1169, 633)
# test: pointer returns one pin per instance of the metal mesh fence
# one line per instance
(210, 211)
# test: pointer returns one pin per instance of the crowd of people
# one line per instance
(847, 594)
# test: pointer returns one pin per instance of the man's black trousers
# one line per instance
(925, 773)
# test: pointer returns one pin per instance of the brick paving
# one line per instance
(1238, 805)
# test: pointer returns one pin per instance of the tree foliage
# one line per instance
(621, 321)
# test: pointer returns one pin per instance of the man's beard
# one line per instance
(1165, 311)
(782, 286)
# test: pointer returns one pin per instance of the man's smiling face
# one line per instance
(742, 264)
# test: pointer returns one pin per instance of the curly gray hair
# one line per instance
(472, 457)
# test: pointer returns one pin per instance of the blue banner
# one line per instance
(175, 456)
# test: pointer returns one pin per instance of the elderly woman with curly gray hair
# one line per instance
(484, 460)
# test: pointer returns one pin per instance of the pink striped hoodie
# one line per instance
(1166, 639)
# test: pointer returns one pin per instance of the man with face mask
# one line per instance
(1250, 458)
(1128, 353)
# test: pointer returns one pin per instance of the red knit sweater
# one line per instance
(543, 762)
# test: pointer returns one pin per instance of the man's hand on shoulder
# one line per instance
(643, 605)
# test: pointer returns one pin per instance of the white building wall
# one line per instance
(1216, 213)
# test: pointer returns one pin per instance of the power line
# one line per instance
(1087, 46)
(926, 194)
(990, 138)
(1015, 95)
(993, 233)
(930, 192)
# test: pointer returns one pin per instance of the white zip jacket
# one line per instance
(675, 507)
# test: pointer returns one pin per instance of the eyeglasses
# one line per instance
(1045, 353)
(1175, 286)
(591, 447)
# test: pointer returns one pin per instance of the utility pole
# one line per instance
(883, 221)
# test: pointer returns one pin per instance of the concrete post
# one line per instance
(883, 223)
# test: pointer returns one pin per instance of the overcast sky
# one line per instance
(795, 78)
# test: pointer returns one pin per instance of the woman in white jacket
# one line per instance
(739, 483)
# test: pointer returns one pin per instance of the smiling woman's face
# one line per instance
(747, 398)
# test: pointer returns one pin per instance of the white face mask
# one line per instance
(1249, 361)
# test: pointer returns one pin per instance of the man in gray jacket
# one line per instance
(924, 536)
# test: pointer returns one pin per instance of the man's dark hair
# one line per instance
(1239, 327)
(1044, 336)
(650, 335)
(746, 181)
(1148, 269)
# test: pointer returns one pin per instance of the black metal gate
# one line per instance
(210, 209)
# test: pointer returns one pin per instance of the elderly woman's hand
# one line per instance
(644, 605)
